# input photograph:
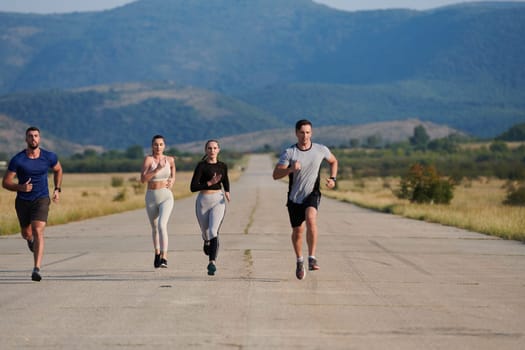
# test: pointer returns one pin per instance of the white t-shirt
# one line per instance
(306, 180)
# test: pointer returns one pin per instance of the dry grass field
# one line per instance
(90, 195)
(476, 206)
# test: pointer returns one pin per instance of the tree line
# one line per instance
(130, 160)
(429, 169)
(454, 156)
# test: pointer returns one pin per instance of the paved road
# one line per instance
(385, 283)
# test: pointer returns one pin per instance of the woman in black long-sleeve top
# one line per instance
(210, 179)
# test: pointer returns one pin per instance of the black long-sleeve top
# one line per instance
(204, 172)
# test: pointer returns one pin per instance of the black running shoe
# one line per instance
(31, 245)
(206, 247)
(156, 262)
(211, 269)
(300, 271)
(35, 276)
(312, 264)
(163, 263)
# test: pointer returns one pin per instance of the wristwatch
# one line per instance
(333, 178)
(58, 189)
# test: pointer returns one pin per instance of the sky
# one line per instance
(63, 6)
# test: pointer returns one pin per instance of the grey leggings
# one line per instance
(159, 204)
(210, 210)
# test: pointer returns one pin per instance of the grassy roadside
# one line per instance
(87, 196)
(476, 206)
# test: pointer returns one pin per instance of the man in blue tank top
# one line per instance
(31, 167)
(301, 163)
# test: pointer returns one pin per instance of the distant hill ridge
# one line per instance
(278, 139)
(273, 140)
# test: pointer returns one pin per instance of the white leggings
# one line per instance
(210, 210)
(159, 204)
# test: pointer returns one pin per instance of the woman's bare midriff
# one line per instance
(155, 185)
(210, 191)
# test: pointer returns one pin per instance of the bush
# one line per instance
(121, 196)
(138, 187)
(422, 184)
(117, 181)
(499, 147)
(515, 196)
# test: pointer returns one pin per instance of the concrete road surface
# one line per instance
(385, 283)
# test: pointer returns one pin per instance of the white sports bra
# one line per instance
(164, 173)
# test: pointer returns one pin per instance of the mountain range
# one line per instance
(217, 68)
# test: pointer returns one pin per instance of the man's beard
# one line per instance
(33, 147)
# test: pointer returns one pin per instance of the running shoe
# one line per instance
(312, 264)
(156, 262)
(211, 269)
(31, 245)
(300, 271)
(35, 276)
(163, 263)
(206, 247)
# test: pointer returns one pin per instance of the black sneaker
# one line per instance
(163, 263)
(300, 271)
(312, 264)
(206, 247)
(156, 262)
(31, 245)
(211, 269)
(35, 276)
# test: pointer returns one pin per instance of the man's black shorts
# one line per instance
(28, 211)
(297, 212)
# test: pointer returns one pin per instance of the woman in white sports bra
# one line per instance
(158, 170)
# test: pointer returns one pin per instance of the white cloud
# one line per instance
(59, 6)
(353, 5)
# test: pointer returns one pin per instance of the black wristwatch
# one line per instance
(58, 189)
(333, 178)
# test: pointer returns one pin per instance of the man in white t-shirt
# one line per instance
(302, 162)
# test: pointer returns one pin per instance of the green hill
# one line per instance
(118, 116)
(230, 46)
(466, 107)
(267, 63)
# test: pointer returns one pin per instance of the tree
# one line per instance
(446, 144)
(373, 141)
(135, 152)
(423, 184)
(420, 139)
(515, 133)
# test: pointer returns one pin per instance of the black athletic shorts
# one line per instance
(297, 212)
(28, 211)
